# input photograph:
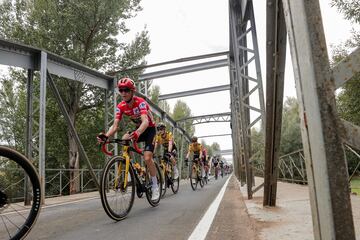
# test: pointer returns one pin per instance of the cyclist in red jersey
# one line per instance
(139, 112)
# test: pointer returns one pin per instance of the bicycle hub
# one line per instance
(3, 199)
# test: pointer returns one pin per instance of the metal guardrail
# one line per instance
(57, 181)
(292, 166)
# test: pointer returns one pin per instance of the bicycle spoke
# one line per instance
(18, 179)
(14, 184)
(118, 196)
(7, 230)
(18, 212)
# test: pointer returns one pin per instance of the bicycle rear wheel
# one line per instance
(193, 178)
(16, 175)
(117, 193)
(160, 181)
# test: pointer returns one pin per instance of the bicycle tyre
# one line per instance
(175, 182)
(104, 189)
(26, 165)
(148, 185)
(164, 184)
(139, 194)
(193, 178)
(201, 181)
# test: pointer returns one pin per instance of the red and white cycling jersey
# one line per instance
(139, 107)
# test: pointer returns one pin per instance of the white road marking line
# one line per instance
(203, 226)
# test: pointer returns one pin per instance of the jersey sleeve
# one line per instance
(170, 137)
(157, 139)
(118, 113)
(190, 148)
(143, 107)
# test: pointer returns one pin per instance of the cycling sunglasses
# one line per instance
(160, 128)
(127, 90)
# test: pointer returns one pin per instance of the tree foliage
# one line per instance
(348, 100)
(290, 133)
(349, 8)
(88, 32)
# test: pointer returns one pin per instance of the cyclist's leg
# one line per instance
(173, 161)
(202, 168)
(148, 136)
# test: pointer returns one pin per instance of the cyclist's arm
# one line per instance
(171, 140)
(188, 154)
(113, 128)
(201, 151)
(155, 146)
(144, 124)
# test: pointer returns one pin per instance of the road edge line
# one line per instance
(204, 224)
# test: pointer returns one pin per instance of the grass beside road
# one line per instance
(355, 185)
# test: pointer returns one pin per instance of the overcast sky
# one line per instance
(184, 28)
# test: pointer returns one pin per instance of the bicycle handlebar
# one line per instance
(135, 147)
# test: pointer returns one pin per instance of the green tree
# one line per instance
(181, 111)
(215, 147)
(154, 94)
(349, 8)
(12, 114)
(88, 32)
(290, 132)
(211, 149)
(154, 97)
(257, 145)
(348, 101)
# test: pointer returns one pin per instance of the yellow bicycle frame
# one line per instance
(196, 166)
(126, 156)
(163, 168)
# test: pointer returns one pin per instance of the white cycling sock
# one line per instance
(154, 182)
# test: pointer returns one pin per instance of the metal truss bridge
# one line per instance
(298, 21)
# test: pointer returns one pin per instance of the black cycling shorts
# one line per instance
(173, 152)
(148, 138)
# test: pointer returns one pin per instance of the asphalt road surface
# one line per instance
(175, 218)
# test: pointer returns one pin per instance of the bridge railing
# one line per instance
(292, 166)
(58, 181)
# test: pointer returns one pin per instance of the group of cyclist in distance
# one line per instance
(139, 112)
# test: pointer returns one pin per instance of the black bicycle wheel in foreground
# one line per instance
(19, 184)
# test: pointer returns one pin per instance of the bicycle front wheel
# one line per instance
(20, 194)
(164, 184)
(201, 179)
(193, 178)
(160, 182)
(117, 189)
(175, 183)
